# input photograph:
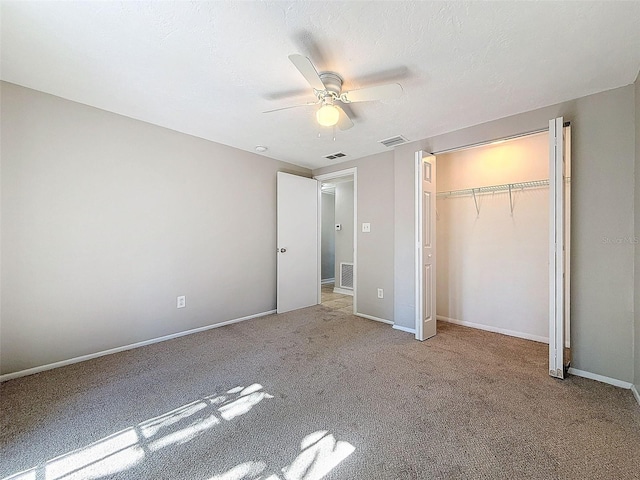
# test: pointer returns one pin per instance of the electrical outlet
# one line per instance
(181, 302)
(380, 293)
(366, 227)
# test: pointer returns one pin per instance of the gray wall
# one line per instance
(375, 249)
(328, 236)
(637, 239)
(404, 235)
(105, 220)
(602, 197)
(344, 216)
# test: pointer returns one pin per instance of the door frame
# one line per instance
(559, 244)
(329, 176)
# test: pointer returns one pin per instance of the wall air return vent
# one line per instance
(393, 141)
(346, 275)
(333, 156)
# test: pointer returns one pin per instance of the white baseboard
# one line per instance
(503, 331)
(343, 291)
(377, 319)
(405, 329)
(50, 366)
(634, 390)
(600, 378)
(328, 280)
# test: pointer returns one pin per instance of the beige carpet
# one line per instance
(318, 394)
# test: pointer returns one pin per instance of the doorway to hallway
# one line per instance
(336, 301)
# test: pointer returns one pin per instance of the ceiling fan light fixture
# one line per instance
(327, 115)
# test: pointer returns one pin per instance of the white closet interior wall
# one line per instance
(493, 265)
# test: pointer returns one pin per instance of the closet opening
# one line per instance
(494, 222)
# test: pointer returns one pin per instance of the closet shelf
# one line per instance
(507, 187)
(495, 188)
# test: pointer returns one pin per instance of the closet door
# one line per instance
(426, 245)
(559, 205)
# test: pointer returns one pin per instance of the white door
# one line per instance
(558, 247)
(426, 245)
(297, 242)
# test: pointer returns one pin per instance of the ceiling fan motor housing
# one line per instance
(332, 83)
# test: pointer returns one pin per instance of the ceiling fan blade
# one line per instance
(308, 71)
(378, 92)
(344, 122)
(292, 106)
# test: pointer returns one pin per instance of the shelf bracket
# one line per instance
(473, 190)
(510, 199)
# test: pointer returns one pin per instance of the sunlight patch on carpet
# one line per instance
(123, 450)
(320, 453)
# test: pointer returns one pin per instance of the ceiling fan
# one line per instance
(327, 88)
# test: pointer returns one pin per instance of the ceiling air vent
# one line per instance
(333, 156)
(393, 141)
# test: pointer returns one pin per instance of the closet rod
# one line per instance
(489, 142)
(495, 140)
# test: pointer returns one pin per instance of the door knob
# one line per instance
(283, 250)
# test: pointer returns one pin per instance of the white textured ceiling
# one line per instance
(210, 68)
